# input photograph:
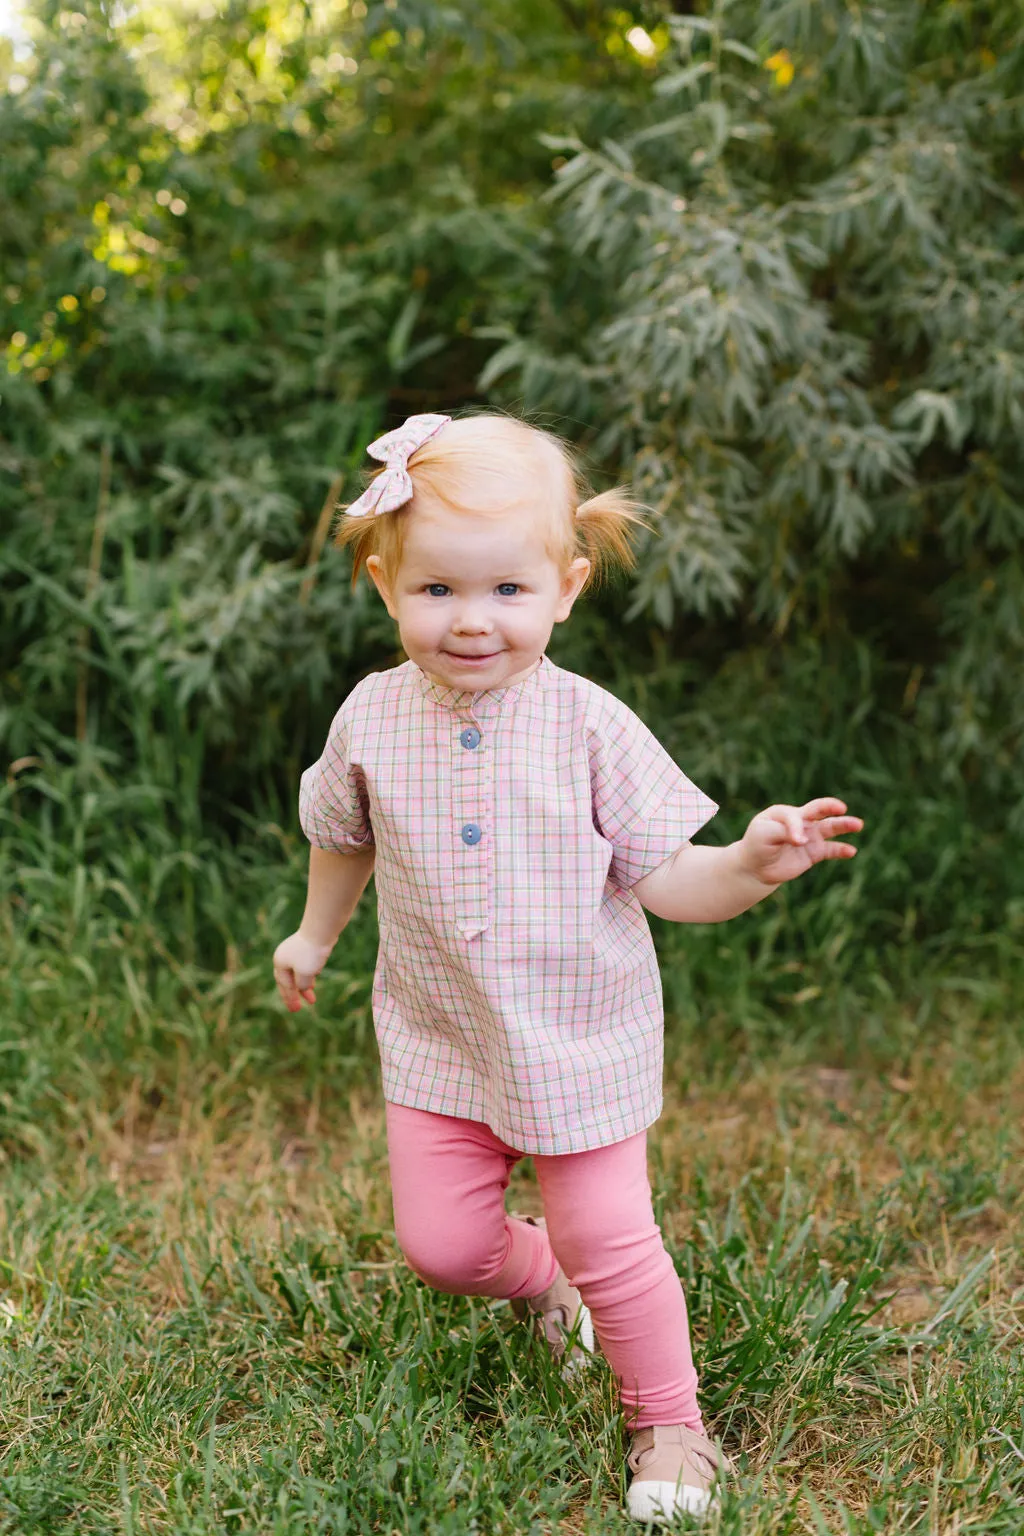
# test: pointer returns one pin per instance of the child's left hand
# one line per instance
(786, 840)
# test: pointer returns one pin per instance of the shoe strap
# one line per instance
(648, 1442)
(545, 1305)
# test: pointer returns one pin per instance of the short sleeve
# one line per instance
(334, 807)
(644, 805)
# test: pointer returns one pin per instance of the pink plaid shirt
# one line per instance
(516, 981)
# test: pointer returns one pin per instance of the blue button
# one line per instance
(471, 833)
(470, 737)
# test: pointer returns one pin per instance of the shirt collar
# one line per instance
(482, 701)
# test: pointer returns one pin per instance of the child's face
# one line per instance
(476, 598)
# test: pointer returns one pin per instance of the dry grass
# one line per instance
(175, 1210)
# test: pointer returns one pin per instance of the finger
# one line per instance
(825, 805)
(309, 995)
(791, 820)
(832, 826)
(838, 851)
(286, 986)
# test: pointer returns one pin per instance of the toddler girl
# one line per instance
(519, 819)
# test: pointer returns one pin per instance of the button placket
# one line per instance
(472, 820)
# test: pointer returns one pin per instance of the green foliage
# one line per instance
(215, 280)
(775, 279)
(801, 329)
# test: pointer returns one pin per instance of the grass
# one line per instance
(205, 1325)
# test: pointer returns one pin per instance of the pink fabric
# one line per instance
(516, 982)
(448, 1180)
(393, 487)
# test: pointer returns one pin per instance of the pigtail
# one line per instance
(607, 527)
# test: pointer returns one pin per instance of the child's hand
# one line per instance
(785, 840)
(297, 963)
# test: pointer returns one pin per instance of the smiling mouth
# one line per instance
(472, 655)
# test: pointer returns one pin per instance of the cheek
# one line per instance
(533, 619)
(420, 619)
(525, 624)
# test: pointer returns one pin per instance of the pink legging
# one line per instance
(448, 1180)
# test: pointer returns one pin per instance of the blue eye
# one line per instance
(508, 588)
(437, 589)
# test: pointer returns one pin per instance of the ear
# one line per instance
(380, 581)
(572, 581)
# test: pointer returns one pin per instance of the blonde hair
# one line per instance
(492, 465)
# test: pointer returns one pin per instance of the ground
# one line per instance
(207, 1328)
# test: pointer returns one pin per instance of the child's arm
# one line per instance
(710, 885)
(336, 882)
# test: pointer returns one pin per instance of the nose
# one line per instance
(472, 620)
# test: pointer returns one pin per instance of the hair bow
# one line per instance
(393, 488)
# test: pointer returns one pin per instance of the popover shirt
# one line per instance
(516, 979)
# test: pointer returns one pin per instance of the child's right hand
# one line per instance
(297, 964)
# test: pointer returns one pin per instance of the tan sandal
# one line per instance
(561, 1315)
(674, 1469)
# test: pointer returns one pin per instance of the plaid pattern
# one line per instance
(394, 487)
(516, 981)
